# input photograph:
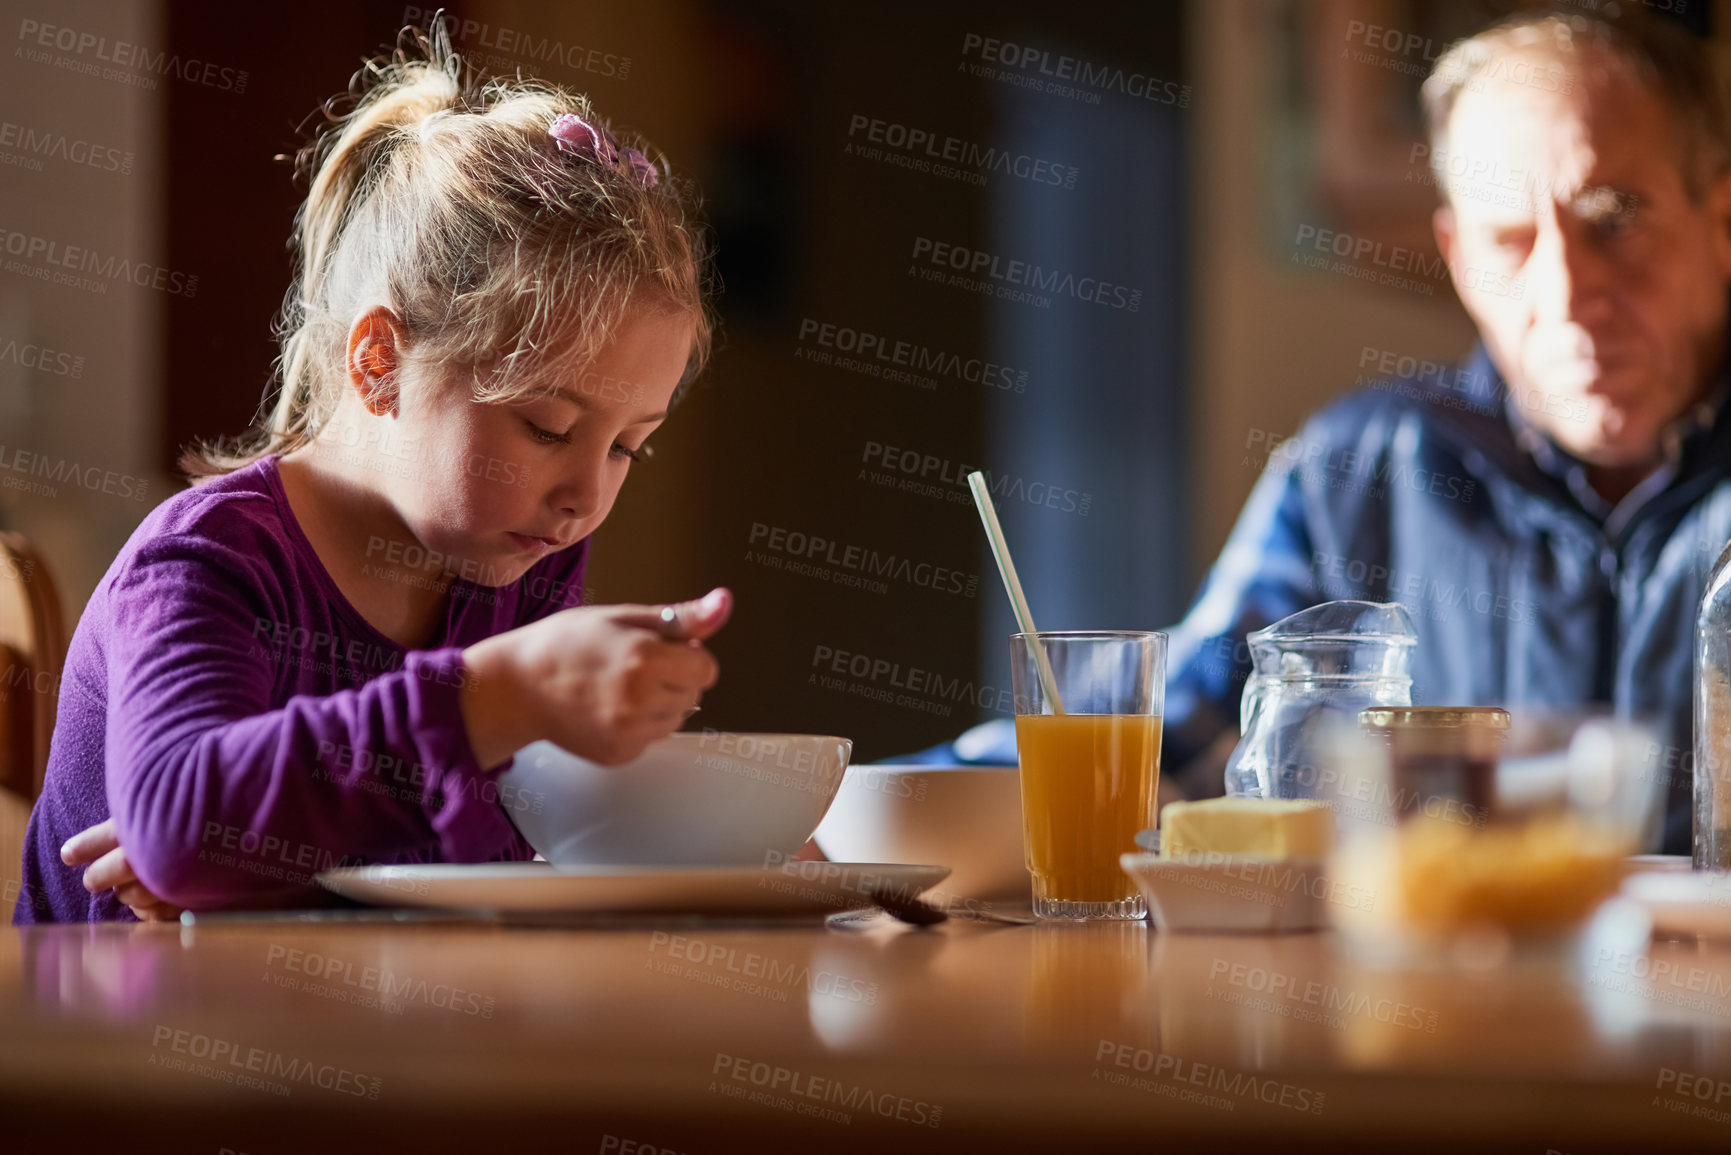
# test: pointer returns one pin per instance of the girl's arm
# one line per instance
(222, 797)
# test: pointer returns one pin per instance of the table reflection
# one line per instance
(964, 993)
(106, 972)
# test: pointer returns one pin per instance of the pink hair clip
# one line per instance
(574, 134)
(641, 167)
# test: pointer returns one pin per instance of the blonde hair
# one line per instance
(1656, 51)
(450, 201)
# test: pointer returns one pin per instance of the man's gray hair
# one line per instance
(1658, 52)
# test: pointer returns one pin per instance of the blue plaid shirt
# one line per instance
(1527, 587)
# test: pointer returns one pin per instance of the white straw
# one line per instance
(1013, 584)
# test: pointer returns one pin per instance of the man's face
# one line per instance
(1596, 282)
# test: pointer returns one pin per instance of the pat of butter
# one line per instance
(1268, 828)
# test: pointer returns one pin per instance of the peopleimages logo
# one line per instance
(801, 1093)
(27, 464)
(868, 348)
(910, 686)
(923, 148)
(54, 256)
(1687, 1086)
(1291, 996)
(929, 475)
(1396, 257)
(23, 146)
(751, 972)
(231, 1061)
(365, 981)
(516, 44)
(1045, 71)
(42, 359)
(1412, 54)
(37, 38)
(1486, 178)
(1393, 40)
(1351, 579)
(1178, 1074)
(1390, 260)
(981, 269)
(846, 564)
(1458, 387)
(1324, 464)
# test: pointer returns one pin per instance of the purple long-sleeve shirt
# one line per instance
(246, 727)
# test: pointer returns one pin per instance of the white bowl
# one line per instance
(691, 799)
(968, 818)
(1221, 893)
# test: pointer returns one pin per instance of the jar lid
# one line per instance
(1434, 717)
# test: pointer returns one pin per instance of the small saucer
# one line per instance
(1684, 903)
(1220, 894)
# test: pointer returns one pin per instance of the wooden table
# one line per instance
(294, 1037)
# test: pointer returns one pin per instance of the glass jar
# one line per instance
(1441, 755)
(1485, 832)
(1314, 671)
(1712, 810)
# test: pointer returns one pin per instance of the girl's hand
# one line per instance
(603, 682)
(100, 845)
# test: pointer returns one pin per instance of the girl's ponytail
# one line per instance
(458, 206)
(392, 98)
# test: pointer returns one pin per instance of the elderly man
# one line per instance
(1549, 511)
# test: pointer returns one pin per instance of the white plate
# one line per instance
(539, 888)
(1684, 903)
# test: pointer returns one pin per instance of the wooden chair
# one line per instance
(33, 644)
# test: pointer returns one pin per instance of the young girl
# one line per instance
(322, 653)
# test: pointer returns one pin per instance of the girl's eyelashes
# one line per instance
(547, 436)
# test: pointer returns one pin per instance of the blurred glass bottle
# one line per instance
(1713, 721)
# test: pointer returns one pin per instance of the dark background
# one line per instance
(804, 230)
(1295, 116)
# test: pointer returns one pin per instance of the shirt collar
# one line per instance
(1684, 433)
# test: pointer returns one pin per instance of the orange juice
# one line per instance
(1088, 783)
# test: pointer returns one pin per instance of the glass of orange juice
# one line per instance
(1090, 763)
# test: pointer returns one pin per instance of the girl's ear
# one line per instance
(1719, 206)
(1442, 223)
(375, 350)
